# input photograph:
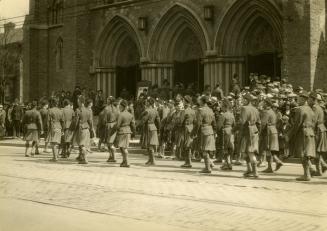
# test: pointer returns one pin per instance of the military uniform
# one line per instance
(188, 126)
(249, 133)
(151, 120)
(68, 117)
(84, 124)
(55, 124)
(110, 119)
(2, 123)
(228, 124)
(302, 134)
(33, 127)
(125, 127)
(321, 139)
(205, 125)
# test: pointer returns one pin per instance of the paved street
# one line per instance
(38, 195)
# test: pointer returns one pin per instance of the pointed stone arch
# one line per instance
(176, 21)
(118, 31)
(242, 19)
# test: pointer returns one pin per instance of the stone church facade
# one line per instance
(112, 44)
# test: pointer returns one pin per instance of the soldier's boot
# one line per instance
(312, 170)
(279, 163)
(269, 168)
(306, 169)
(112, 155)
(125, 159)
(54, 153)
(83, 159)
(323, 164)
(318, 167)
(207, 163)
(248, 169)
(229, 162)
(254, 173)
(27, 149)
(37, 152)
(188, 160)
(67, 145)
(78, 158)
(151, 160)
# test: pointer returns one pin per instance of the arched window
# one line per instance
(56, 9)
(59, 54)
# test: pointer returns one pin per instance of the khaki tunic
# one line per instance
(301, 133)
(55, 124)
(249, 133)
(320, 130)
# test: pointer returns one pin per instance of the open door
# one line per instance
(128, 77)
(189, 72)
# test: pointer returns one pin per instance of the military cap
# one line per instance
(299, 88)
(247, 88)
(226, 103)
(188, 99)
(123, 103)
(249, 97)
(319, 90)
(285, 118)
(313, 95)
(292, 95)
(205, 99)
(304, 94)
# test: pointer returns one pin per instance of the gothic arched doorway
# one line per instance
(118, 53)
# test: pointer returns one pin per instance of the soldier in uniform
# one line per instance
(269, 136)
(125, 129)
(302, 134)
(44, 116)
(188, 126)
(205, 126)
(110, 119)
(178, 130)
(84, 125)
(249, 123)
(68, 114)
(228, 124)
(321, 134)
(151, 121)
(55, 123)
(2, 122)
(33, 127)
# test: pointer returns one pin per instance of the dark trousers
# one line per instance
(17, 127)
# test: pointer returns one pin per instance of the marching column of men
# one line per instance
(192, 128)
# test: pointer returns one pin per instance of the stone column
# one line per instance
(157, 72)
(106, 81)
(221, 70)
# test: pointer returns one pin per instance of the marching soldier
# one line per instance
(188, 126)
(302, 134)
(228, 124)
(321, 134)
(110, 119)
(205, 126)
(151, 121)
(68, 116)
(84, 125)
(269, 135)
(44, 116)
(125, 129)
(178, 130)
(249, 123)
(33, 127)
(55, 124)
(2, 122)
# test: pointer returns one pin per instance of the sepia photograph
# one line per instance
(163, 115)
